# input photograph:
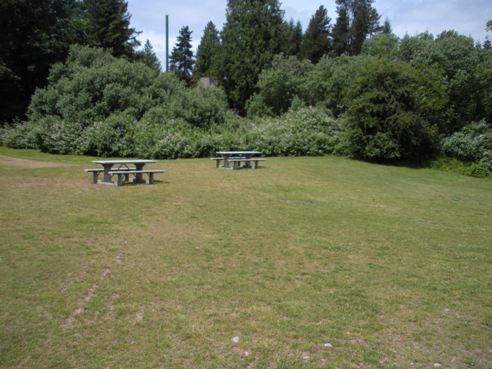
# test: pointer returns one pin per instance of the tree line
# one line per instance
(35, 36)
(255, 31)
(349, 87)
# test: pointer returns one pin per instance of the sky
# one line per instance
(406, 17)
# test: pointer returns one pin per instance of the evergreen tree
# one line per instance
(148, 57)
(293, 38)
(487, 45)
(316, 41)
(252, 35)
(488, 26)
(341, 31)
(108, 26)
(207, 53)
(181, 61)
(33, 37)
(365, 22)
(387, 27)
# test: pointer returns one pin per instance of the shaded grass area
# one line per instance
(389, 265)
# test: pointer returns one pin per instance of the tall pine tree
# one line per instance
(108, 26)
(252, 35)
(181, 61)
(341, 31)
(34, 36)
(316, 41)
(148, 57)
(365, 22)
(293, 38)
(207, 53)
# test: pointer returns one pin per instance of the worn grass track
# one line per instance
(390, 265)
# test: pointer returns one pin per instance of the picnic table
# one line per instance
(123, 170)
(238, 159)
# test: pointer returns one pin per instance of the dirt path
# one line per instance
(25, 163)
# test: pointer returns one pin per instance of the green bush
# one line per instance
(384, 112)
(113, 136)
(472, 144)
(307, 131)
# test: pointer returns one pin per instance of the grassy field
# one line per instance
(308, 262)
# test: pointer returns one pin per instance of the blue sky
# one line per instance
(406, 16)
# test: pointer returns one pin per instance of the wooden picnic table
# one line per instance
(237, 158)
(123, 170)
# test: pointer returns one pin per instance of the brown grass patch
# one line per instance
(25, 163)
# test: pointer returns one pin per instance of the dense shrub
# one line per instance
(113, 136)
(278, 86)
(472, 144)
(94, 102)
(384, 111)
(307, 131)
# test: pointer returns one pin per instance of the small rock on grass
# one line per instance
(327, 345)
(235, 339)
(306, 356)
(437, 365)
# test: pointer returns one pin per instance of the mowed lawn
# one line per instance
(307, 263)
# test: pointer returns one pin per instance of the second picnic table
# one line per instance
(236, 158)
(123, 171)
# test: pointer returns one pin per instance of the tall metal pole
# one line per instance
(167, 43)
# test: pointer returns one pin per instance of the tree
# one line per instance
(108, 26)
(181, 60)
(388, 110)
(293, 38)
(207, 53)
(365, 22)
(252, 35)
(316, 41)
(278, 85)
(148, 57)
(387, 27)
(340, 32)
(33, 38)
(488, 26)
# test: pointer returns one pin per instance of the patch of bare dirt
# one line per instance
(25, 163)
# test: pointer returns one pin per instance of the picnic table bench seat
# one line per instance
(124, 173)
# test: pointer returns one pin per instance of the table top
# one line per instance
(129, 161)
(239, 152)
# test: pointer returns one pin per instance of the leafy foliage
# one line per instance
(33, 38)
(472, 144)
(247, 50)
(108, 26)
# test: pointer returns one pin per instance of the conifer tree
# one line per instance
(207, 53)
(365, 22)
(341, 31)
(181, 61)
(252, 35)
(293, 38)
(148, 57)
(316, 41)
(387, 27)
(108, 26)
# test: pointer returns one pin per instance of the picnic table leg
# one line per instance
(120, 179)
(217, 163)
(139, 176)
(247, 164)
(151, 178)
(226, 162)
(95, 176)
(107, 176)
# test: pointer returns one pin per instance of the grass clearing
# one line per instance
(389, 265)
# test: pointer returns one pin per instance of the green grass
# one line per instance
(390, 265)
